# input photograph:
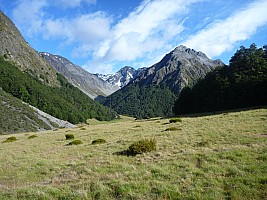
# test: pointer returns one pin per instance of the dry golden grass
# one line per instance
(221, 156)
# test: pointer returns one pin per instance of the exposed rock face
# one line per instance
(85, 81)
(181, 67)
(14, 48)
(122, 77)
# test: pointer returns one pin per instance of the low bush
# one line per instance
(32, 136)
(175, 120)
(10, 139)
(142, 146)
(99, 141)
(172, 129)
(69, 136)
(75, 142)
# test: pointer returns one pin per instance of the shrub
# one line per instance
(174, 120)
(172, 129)
(142, 146)
(69, 136)
(10, 139)
(75, 142)
(32, 136)
(99, 141)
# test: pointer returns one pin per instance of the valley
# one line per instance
(219, 156)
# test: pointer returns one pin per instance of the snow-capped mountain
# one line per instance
(122, 77)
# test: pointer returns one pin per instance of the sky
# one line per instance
(103, 36)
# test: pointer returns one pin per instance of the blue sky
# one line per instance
(104, 35)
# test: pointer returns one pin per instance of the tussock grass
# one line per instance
(32, 136)
(75, 142)
(10, 139)
(211, 157)
(69, 136)
(99, 141)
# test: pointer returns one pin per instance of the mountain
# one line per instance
(241, 84)
(85, 81)
(16, 116)
(14, 48)
(122, 77)
(154, 91)
(181, 67)
(27, 76)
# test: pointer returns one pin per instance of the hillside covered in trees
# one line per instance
(241, 84)
(142, 102)
(66, 102)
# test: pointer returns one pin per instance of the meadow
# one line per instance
(218, 156)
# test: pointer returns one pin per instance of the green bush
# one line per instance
(69, 136)
(75, 142)
(32, 136)
(174, 120)
(10, 139)
(172, 129)
(99, 141)
(142, 146)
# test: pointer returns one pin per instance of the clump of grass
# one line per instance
(142, 146)
(99, 141)
(175, 120)
(75, 142)
(83, 129)
(69, 136)
(10, 139)
(32, 136)
(172, 129)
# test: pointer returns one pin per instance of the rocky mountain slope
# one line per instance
(154, 91)
(85, 81)
(122, 77)
(181, 67)
(14, 48)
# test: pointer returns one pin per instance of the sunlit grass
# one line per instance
(221, 156)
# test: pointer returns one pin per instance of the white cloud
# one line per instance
(99, 66)
(73, 3)
(222, 36)
(29, 15)
(85, 29)
(148, 28)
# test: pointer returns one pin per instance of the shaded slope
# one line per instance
(242, 84)
(66, 102)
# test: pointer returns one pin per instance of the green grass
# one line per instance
(221, 156)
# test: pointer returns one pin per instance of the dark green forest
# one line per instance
(142, 102)
(241, 84)
(66, 102)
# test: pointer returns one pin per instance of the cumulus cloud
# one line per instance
(29, 15)
(149, 27)
(221, 36)
(84, 29)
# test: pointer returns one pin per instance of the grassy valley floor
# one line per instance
(221, 156)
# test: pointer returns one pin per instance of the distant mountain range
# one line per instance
(154, 90)
(90, 84)
(122, 77)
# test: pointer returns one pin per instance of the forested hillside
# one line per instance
(142, 102)
(241, 84)
(65, 102)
